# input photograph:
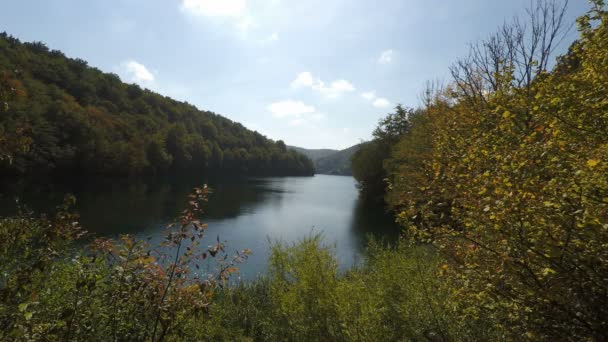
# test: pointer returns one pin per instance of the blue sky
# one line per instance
(314, 73)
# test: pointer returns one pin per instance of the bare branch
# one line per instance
(513, 56)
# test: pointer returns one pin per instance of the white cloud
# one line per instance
(370, 95)
(137, 72)
(290, 108)
(336, 87)
(381, 102)
(333, 90)
(378, 102)
(386, 57)
(235, 10)
(304, 79)
(215, 8)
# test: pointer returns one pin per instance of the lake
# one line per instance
(245, 213)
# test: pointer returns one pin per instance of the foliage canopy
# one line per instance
(77, 120)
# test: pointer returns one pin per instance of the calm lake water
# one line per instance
(245, 213)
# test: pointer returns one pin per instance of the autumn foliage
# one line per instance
(51, 289)
(500, 181)
(506, 173)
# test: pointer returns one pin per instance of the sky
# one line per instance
(313, 73)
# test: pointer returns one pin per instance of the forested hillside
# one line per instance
(338, 163)
(499, 181)
(313, 154)
(330, 162)
(75, 119)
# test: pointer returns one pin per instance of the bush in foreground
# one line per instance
(52, 290)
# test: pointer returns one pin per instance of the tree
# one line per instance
(368, 162)
(13, 138)
(394, 125)
(512, 188)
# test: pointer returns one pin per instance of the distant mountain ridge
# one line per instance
(313, 154)
(328, 161)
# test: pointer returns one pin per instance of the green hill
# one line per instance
(330, 162)
(313, 154)
(77, 120)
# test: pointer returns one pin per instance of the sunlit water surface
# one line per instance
(244, 213)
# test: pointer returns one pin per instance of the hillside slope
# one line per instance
(313, 154)
(330, 162)
(338, 163)
(78, 120)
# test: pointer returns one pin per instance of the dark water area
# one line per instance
(244, 213)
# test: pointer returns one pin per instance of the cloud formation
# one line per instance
(333, 90)
(298, 113)
(381, 102)
(137, 72)
(386, 57)
(378, 102)
(289, 108)
(234, 10)
(304, 79)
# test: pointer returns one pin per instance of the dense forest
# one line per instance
(499, 181)
(75, 120)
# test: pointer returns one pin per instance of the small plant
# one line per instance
(111, 290)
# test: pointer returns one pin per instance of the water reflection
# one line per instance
(246, 213)
(372, 220)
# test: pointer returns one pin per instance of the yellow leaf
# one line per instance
(592, 163)
(231, 270)
(146, 260)
(548, 271)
